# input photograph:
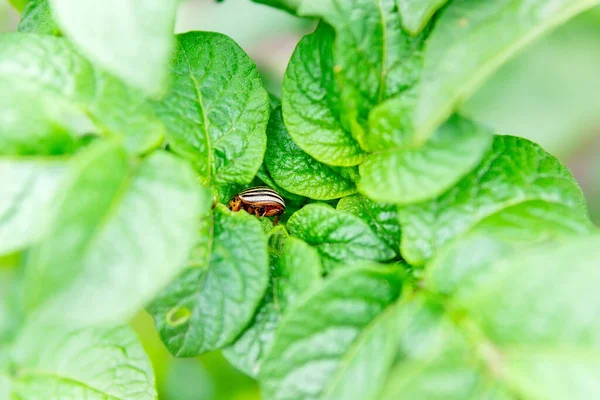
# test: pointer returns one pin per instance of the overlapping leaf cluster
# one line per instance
(421, 255)
(492, 231)
(94, 216)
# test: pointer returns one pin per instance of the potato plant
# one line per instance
(421, 255)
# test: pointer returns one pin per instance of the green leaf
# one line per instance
(214, 299)
(433, 350)
(543, 298)
(18, 4)
(427, 329)
(4, 386)
(266, 178)
(426, 334)
(33, 125)
(554, 374)
(515, 228)
(535, 312)
(37, 18)
(297, 172)
(340, 237)
(299, 269)
(339, 338)
(528, 319)
(133, 39)
(27, 193)
(368, 359)
(216, 111)
(416, 13)
(375, 57)
(10, 317)
(92, 363)
(287, 5)
(452, 377)
(466, 49)
(311, 102)
(411, 174)
(390, 124)
(295, 270)
(514, 171)
(67, 94)
(247, 352)
(97, 262)
(382, 218)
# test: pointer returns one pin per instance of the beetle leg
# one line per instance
(276, 219)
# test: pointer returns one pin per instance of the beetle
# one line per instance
(261, 201)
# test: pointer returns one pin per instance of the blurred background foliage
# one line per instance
(550, 93)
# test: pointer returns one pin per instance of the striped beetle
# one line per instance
(261, 201)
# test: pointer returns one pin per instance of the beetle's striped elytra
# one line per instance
(261, 201)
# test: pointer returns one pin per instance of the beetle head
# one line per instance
(235, 204)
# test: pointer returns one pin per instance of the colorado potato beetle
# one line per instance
(261, 201)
